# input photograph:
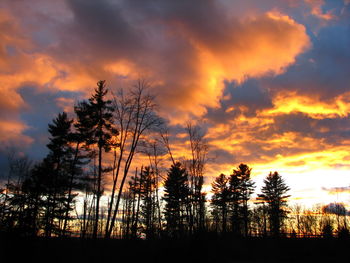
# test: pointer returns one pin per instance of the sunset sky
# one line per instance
(269, 81)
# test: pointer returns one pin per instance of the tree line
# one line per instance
(85, 185)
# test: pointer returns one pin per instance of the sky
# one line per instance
(268, 81)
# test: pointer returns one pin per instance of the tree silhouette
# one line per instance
(149, 201)
(135, 115)
(155, 151)
(40, 199)
(196, 165)
(327, 230)
(241, 188)
(77, 180)
(176, 194)
(33, 190)
(247, 189)
(56, 168)
(220, 198)
(97, 123)
(13, 201)
(141, 204)
(274, 194)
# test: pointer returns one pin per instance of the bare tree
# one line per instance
(165, 138)
(135, 115)
(154, 152)
(199, 151)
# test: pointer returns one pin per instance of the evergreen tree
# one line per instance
(241, 188)
(274, 194)
(127, 211)
(221, 195)
(135, 186)
(247, 189)
(57, 168)
(13, 200)
(81, 155)
(33, 190)
(196, 166)
(96, 123)
(60, 131)
(176, 195)
(149, 205)
(142, 200)
(41, 198)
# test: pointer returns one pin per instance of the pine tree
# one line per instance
(56, 166)
(176, 194)
(33, 190)
(13, 201)
(77, 179)
(274, 194)
(143, 202)
(241, 188)
(247, 189)
(96, 123)
(148, 197)
(221, 194)
(60, 131)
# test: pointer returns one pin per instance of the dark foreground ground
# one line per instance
(204, 249)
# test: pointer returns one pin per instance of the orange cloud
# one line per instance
(20, 66)
(286, 102)
(11, 134)
(188, 81)
(316, 10)
(263, 45)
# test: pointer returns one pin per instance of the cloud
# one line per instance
(11, 134)
(269, 78)
(136, 36)
(316, 10)
(335, 208)
(247, 99)
(336, 190)
(321, 73)
(247, 49)
(69, 45)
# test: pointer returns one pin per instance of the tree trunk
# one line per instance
(98, 194)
